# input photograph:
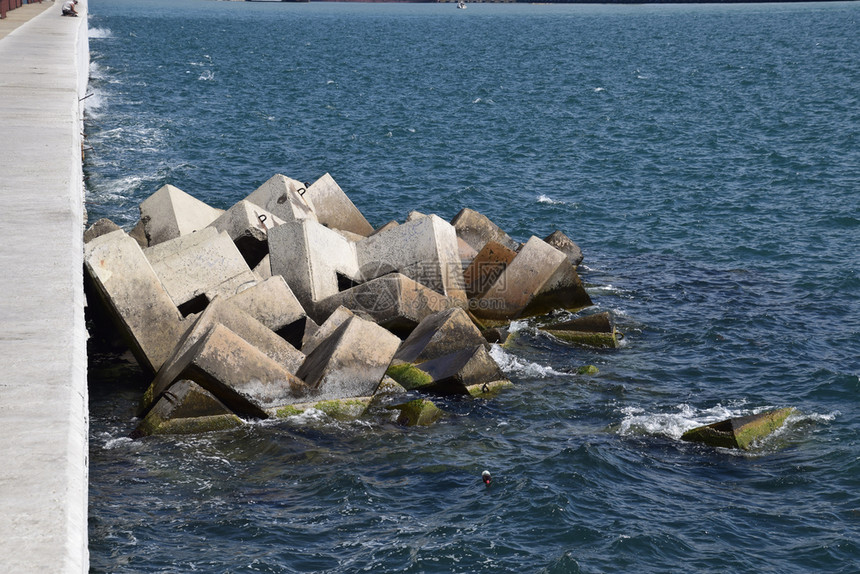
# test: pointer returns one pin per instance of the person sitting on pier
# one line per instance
(69, 8)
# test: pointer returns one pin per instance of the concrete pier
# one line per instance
(44, 64)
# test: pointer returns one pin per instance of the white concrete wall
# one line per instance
(44, 67)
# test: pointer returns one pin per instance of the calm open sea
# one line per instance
(705, 157)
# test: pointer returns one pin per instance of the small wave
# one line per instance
(120, 442)
(599, 89)
(483, 101)
(672, 424)
(100, 33)
(547, 199)
(511, 364)
(207, 75)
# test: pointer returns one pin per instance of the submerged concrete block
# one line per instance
(424, 249)
(283, 196)
(538, 280)
(248, 226)
(334, 209)
(597, 330)
(170, 212)
(242, 377)
(185, 409)
(393, 301)
(439, 334)
(136, 300)
(317, 262)
(417, 412)
(739, 432)
(351, 362)
(339, 409)
(486, 267)
(450, 374)
(564, 244)
(476, 229)
(205, 269)
(222, 312)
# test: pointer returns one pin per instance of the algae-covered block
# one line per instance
(597, 330)
(451, 374)
(490, 389)
(186, 408)
(739, 432)
(417, 412)
(339, 409)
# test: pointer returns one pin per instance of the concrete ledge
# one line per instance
(43, 384)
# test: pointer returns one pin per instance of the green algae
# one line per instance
(410, 376)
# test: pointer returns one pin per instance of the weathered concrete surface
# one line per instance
(739, 432)
(283, 196)
(140, 307)
(476, 229)
(439, 334)
(350, 362)
(248, 226)
(451, 374)
(334, 209)
(597, 330)
(170, 213)
(43, 387)
(485, 268)
(186, 408)
(566, 245)
(272, 303)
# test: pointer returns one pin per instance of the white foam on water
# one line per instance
(548, 200)
(207, 75)
(511, 364)
(673, 424)
(100, 33)
(599, 89)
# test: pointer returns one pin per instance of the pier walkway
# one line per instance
(44, 64)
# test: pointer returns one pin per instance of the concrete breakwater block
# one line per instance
(334, 209)
(476, 229)
(186, 409)
(283, 196)
(272, 303)
(739, 432)
(248, 226)
(486, 267)
(450, 374)
(131, 292)
(170, 213)
(597, 330)
(538, 280)
(566, 245)
(439, 334)
(350, 362)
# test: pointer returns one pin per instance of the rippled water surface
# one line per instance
(705, 158)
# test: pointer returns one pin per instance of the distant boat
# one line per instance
(461, 5)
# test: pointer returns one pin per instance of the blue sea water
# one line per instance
(706, 159)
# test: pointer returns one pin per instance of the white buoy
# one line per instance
(485, 476)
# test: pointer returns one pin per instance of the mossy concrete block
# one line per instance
(222, 312)
(186, 408)
(476, 229)
(566, 245)
(439, 334)
(338, 409)
(587, 370)
(283, 196)
(248, 226)
(350, 362)
(205, 269)
(238, 374)
(334, 209)
(538, 280)
(417, 412)
(135, 299)
(423, 249)
(489, 390)
(271, 302)
(486, 267)
(451, 374)
(393, 301)
(596, 330)
(317, 262)
(739, 432)
(170, 212)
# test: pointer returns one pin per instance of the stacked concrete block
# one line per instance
(539, 279)
(284, 197)
(134, 297)
(187, 408)
(424, 249)
(195, 275)
(170, 212)
(476, 229)
(450, 374)
(272, 303)
(334, 209)
(334, 321)
(597, 330)
(101, 227)
(437, 335)
(248, 226)
(224, 313)
(393, 301)
(486, 267)
(238, 374)
(350, 362)
(316, 261)
(566, 245)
